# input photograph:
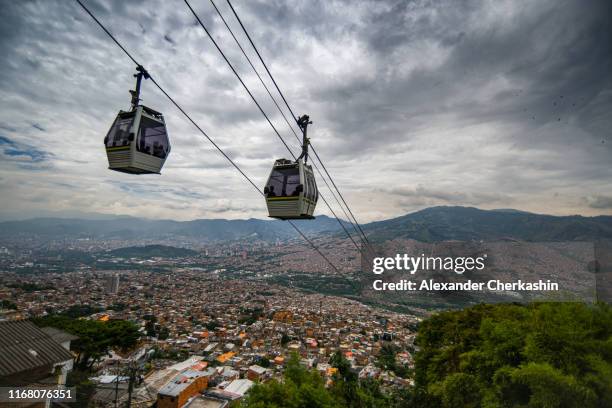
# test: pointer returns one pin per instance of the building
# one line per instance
(234, 390)
(112, 284)
(60, 336)
(256, 373)
(207, 402)
(239, 387)
(29, 355)
(181, 388)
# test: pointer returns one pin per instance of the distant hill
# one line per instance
(149, 251)
(136, 228)
(467, 223)
(428, 225)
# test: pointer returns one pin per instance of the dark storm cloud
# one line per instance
(414, 103)
(555, 64)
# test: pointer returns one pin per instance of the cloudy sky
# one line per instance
(493, 104)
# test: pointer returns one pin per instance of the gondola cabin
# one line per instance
(291, 191)
(137, 142)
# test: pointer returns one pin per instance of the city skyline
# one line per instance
(492, 105)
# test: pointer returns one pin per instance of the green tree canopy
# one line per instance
(95, 338)
(540, 355)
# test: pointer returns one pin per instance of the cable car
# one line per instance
(137, 142)
(291, 191)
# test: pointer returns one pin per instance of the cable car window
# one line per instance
(119, 134)
(293, 180)
(306, 186)
(152, 138)
(275, 183)
(283, 182)
(311, 189)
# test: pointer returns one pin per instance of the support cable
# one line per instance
(202, 131)
(291, 111)
(348, 218)
(255, 100)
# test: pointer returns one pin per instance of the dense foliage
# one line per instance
(95, 338)
(7, 304)
(149, 251)
(387, 361)
(29, 287)
(303, 388)
(541, 355)
(545, 355)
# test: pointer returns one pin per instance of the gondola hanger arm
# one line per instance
(141, 72)
(303, 122)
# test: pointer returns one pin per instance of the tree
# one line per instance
(211, 325)
(163, 334)
(542, 355)
(264, 362)
(301, 388)
(95, 338)
(76, 311)
(459, 390)
(350, 391)
(7, 304)
(537, 355)
(150, 328)
(386, 359)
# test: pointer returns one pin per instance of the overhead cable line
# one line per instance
(202, 131)
(253, 67)
(292, 130)
(237, 75)
(340, 194)
(293, 115)
(208, 33)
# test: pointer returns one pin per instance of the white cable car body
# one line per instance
(137, 142)
(291, 191)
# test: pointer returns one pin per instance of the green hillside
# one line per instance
(149, 251)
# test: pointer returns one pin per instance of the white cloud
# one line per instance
(482, 104)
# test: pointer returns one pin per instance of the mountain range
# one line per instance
(127, 228)
(468, 223)
(429, 225)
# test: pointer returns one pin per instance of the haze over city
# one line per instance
(486, 104)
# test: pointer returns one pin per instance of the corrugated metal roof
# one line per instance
(58, 335)
(23, 346)
(239, 387)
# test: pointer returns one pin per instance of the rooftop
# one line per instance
(58, 335)
(239, 387)
(206, 402)
(182, 381)
(24, 346)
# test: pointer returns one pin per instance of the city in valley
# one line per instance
(230, 314)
